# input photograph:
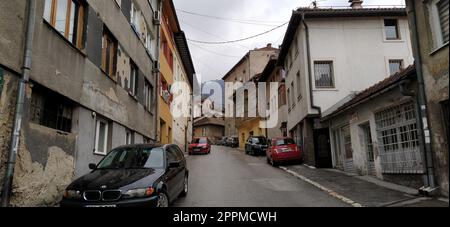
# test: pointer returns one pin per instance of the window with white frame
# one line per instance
(135, 17)
(323, 72)
(398, 139)
(395, 66)
(148, 95)
(133, 83)
(101, 136)
(129, 137)
(439, 21)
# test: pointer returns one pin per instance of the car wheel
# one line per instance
(273, 163)
(185, 186)
(163, 200)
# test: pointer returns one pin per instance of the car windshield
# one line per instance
(282, 142)
(200, 141)
(134, 158)
(259, 140)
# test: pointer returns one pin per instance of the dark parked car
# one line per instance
(200, 145)
(256, 145)
(132, 176)
(223, 141)
(233, 142)
(283, 150)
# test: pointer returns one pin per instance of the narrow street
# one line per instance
(229, 178)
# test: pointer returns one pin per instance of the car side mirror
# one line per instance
(173, 165)
(92, 166)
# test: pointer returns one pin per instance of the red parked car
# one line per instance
(283, 150)
(200, 145)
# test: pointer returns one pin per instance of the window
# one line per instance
(109, 53)
(50, 109)
(442, 7)
(445, 112)
(289, 98)
(323, 71)
(133, 83)
(439, 21)
(101, 136)
(135, 18)
(398, 139)
(149, 43)
(129, 137)
(67, 17)
(299, 88)
(395, 66)
(148, 95)
(391, 29)
(293, 95)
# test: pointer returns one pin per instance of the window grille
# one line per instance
(398, 140)
(442, 7)
(323, 71)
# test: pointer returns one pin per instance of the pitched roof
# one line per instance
(297, 15)
(266, 48)
(376, 89)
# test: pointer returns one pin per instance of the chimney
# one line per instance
(356, 4)
(269, 45)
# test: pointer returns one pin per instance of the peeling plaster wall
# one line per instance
(435, 64)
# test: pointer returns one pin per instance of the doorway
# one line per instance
(322, 148)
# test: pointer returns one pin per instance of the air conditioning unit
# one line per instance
(156, 66)
(157, 17)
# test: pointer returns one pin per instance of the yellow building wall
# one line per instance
(166, 130)
(245, 129)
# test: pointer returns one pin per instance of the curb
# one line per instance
(319, 186)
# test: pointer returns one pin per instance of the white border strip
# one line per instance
(317, 185)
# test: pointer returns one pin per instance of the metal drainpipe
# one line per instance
(15, 135)
(158, 75)
(308, 50)
(423, 123)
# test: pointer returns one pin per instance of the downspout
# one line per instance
(423, 122)
(308, 53)
(158, 76)
(15, 135)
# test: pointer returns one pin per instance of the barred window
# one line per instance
(323, 71)
(50, 109)
(398, 139)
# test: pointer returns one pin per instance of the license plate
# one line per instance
(100, 206)
(196, 149)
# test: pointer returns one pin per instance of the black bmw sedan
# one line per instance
(132, 176)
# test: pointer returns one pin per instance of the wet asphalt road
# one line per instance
(229, 178)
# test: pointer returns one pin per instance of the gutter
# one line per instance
(24, 80)
(308, 50)
(423, 122)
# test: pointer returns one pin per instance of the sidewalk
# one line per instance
(362, 190)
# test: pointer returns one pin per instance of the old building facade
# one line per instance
(429, 21)
(368, 45)
(92, 88)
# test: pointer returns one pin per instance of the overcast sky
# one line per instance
(214, 61)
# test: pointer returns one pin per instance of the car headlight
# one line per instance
(138, 193)
(205, 147)
(72, 194)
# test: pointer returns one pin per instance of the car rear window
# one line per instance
(259, 140)
(282, 142)
(200, 140)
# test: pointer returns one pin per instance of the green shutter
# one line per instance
(1, 80)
